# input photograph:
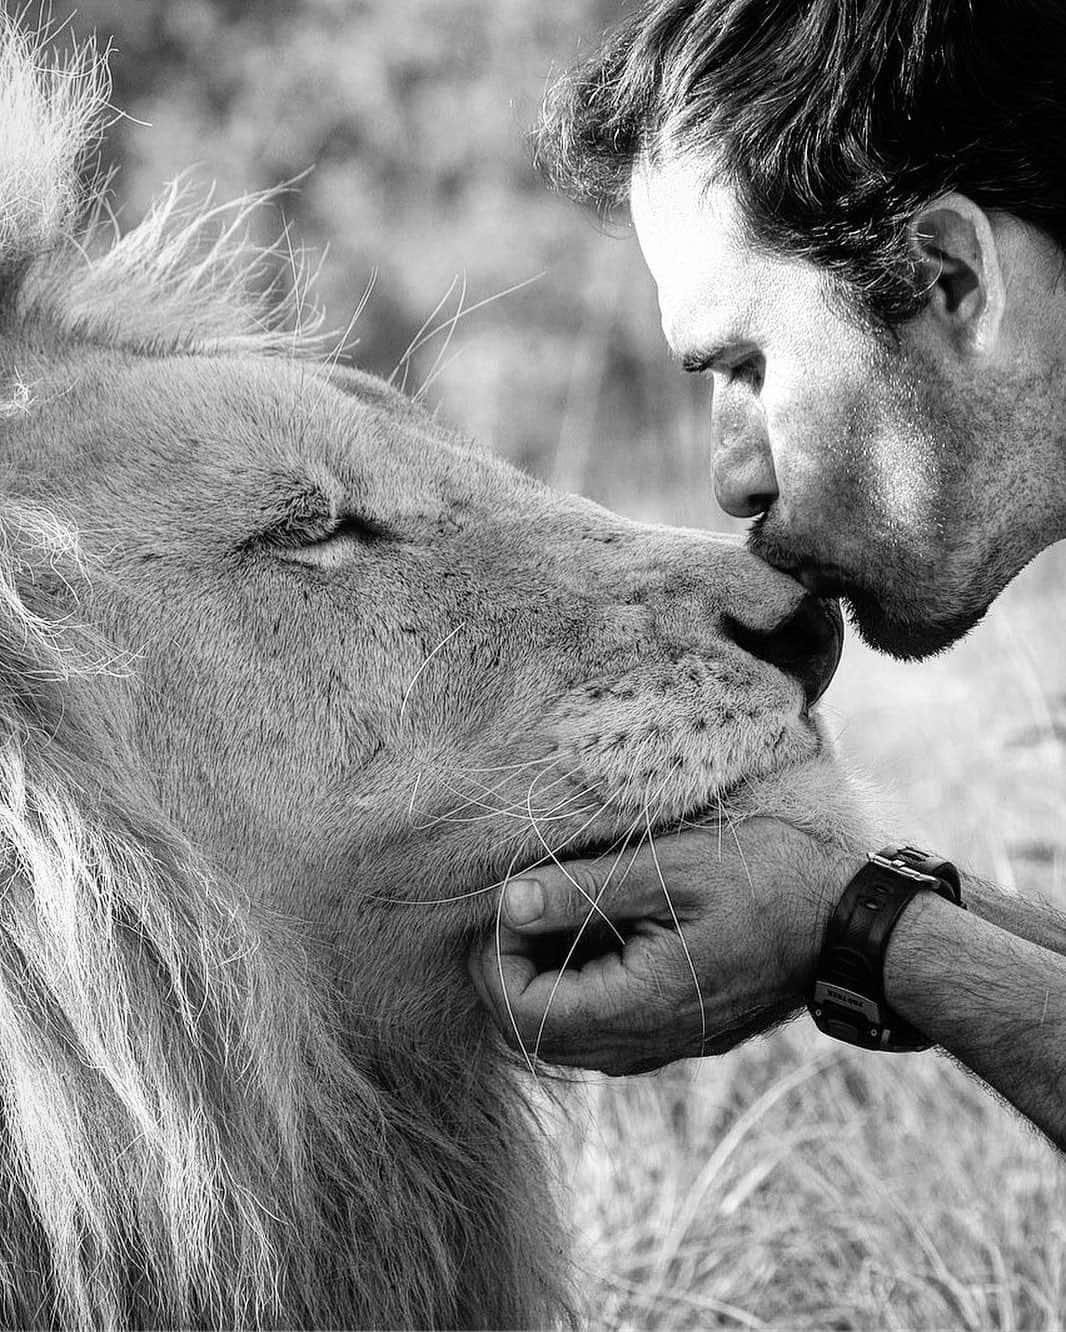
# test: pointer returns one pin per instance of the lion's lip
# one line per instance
(806, 646)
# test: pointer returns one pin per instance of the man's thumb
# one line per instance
(559, 898)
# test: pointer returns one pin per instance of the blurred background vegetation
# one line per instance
(411, 120)
(794, 1183)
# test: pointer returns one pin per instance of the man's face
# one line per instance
(879, 470)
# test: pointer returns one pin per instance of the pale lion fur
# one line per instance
(186, 278)
(186, 1139)
(184, 1132)
(209, 1114)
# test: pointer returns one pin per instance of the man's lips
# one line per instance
(821, 581)
(829, 581)
(822, 577)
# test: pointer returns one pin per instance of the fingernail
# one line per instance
(523, 901)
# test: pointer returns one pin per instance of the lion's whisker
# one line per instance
(507, 811)
(516, 817)
(531, 1063)
(417, 675)
(494, 788)
(531, 868)
(625, 846)
(557, 982)
(506, 767)
(364, 300)
(680, 934)
(553, 852)
(570, 807)
(299, 291)
(594, 908)
(414, 792)
(740, 853)
(438, 901)
(479, 802)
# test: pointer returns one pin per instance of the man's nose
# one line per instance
(742, 465)
(806, 644)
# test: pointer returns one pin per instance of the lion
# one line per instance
(291, 678)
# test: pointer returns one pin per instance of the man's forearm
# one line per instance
(984, 985)
(1027, 918)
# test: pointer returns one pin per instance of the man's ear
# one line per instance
(957, 250)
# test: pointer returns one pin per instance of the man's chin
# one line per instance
(909, 632)
(906, 638)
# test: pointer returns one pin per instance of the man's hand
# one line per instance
(622, 993)
(697, 944)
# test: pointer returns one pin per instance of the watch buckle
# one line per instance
(899, 866)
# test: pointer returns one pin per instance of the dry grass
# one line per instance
(796, 1183)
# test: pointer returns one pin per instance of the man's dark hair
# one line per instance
(835, 121)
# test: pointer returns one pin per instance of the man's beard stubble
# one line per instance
(886, 619)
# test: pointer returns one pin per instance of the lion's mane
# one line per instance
(193, 1131)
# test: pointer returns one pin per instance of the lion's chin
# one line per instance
(820, 797)
(807, 789)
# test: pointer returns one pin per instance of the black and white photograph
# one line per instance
(533, 665)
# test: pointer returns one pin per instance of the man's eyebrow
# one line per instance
(699, 359)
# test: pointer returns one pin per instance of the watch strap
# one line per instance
(848, 997)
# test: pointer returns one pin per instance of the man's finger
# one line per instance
(511, 985)
(563, 897)
(585, 1016)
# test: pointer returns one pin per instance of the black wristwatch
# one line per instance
(848, 999)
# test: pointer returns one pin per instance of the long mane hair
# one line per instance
(195, 1130)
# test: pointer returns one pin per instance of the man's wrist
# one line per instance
(848, 999)
(823, 875)
(926, 929)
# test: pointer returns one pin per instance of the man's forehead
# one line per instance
(693, 244)
(674, 206)
(714, 284)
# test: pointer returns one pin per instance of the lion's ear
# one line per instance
(51, 114)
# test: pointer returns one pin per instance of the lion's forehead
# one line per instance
(236, 435)
(204, 452)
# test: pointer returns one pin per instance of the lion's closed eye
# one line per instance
(355, 527)
(327, 540)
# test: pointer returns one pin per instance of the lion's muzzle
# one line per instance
(807, 645)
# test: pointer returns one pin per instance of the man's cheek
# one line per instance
(816, 460)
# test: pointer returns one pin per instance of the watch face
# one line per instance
(843, 1024)
(844, 1028)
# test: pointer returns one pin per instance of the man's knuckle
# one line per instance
(585, 884)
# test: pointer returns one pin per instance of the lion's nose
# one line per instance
(807, 645)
